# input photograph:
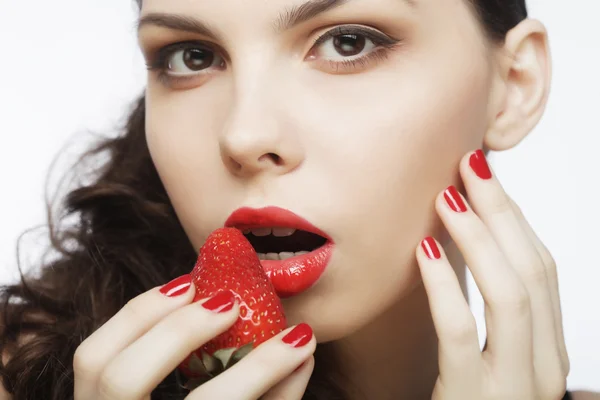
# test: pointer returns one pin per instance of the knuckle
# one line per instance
(535, 273)
(85, 361)
(515, 301)
(137, 310)
(500, 203)
(264, 360)
(549, 262)
(516, 208)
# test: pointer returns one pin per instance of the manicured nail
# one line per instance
(479, 165)
(454, 200)
(299, 336)
(221, 302)
(431, 248)
(177, 286)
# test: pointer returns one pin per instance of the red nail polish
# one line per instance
(299, 336)
(479, 165)
(221, 302)
(431, 249)
(177, 286)
(454, 200)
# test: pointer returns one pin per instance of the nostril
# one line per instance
(274, 158)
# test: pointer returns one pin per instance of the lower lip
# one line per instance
(296, 274)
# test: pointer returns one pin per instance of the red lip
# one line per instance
(294, 275)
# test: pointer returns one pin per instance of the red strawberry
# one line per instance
(227, 261)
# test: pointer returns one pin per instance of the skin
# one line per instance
(358, 140)
(264, 130)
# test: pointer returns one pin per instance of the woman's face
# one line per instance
(354, 118)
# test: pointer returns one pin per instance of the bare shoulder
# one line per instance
(585, 395)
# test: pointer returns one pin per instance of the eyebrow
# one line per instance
(286, 20)
(178, 23)
(309, 10)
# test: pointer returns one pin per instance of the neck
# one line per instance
(396, 355)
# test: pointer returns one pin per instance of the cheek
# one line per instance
(182, 145)
(397, 139)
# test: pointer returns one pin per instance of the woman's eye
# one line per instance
(345, 46)
(192, 60)
(351, 49)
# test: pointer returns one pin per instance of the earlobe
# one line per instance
(522, 85)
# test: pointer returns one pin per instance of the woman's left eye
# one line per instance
(348, 45)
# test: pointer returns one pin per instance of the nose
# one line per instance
(256, 140)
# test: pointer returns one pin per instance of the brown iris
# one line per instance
(349, 45)
(198, 59)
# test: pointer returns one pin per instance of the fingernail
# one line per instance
(479, 165)
(431, 249)
(221, 302)
(454, 200)
(177, 286)
(299, 336)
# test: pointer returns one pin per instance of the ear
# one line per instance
(521, 87)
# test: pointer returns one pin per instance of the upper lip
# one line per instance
(270, 217)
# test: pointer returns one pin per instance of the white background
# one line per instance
(68, 67)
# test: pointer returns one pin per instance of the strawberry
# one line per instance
(227, 261)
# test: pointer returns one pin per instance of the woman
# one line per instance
(363, 118)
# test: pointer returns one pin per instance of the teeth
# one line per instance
(285, 255)
(280, 256)
(261, 231)
(282, 232)
(277, 232)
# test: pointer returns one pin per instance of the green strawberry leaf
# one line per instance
(239, 354)
(224, 355)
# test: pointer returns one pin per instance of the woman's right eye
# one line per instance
(185, 61)
(191, 60)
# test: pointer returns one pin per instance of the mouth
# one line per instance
(293, 252)
(278, 244)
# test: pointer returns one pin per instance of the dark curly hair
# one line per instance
(126, 239)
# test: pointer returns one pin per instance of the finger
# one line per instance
(508, 311)
(262, 369)
(552, 276)
(459, 355)
(138, 369)
(132, 321)
(493, 206)
(294, 386)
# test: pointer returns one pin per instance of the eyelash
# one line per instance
(384, 44)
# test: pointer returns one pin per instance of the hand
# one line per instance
(525, 355)
(147, 339)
